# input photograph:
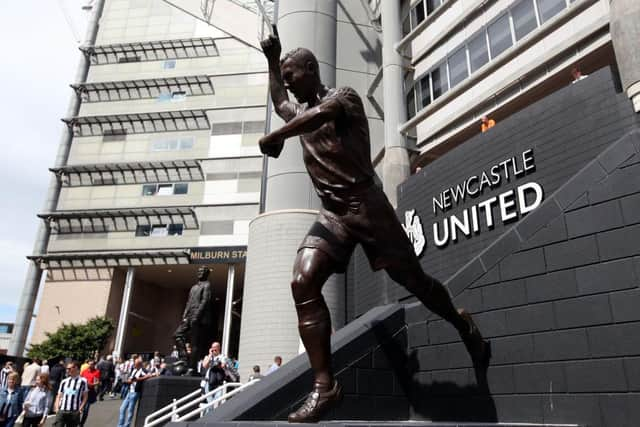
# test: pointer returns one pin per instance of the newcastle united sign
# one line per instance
(505, 207)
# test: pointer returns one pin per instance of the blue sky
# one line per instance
(39, 58)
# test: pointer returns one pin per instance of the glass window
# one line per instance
(175, 229)
(164, 97)
(550, 8)
(411, 103)
(499, 35)
(179, 96)
(406, 25)
(186, 143)
(458, 66)
(425, 91)
(172, 144)
(169, 64)
(181, 188)
(165, 189)
(478, 53)
(159, 231)
(432, 5)
(143, 230)
(417, 14)
(439, 83)
(160, 145)
(524, 18)
(149, 189)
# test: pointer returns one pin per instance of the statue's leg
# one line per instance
(193, 358)
(180, 338)
(435, 297)
(428, 290)
(311, 269)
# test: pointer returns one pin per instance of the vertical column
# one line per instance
(34, 274)
(396, 157)
(124, 311)
(625, 35)
(269, 321)
(228, 306)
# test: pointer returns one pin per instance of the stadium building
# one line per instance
(528, 223)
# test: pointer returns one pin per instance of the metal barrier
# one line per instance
(171, 412)
(216, 401)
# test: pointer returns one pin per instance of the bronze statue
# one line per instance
(334, 134)
(194, 328)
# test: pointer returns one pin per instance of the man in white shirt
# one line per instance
(277, 362)
(134, 383)
(29, 376)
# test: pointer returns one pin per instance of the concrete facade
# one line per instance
(494, 58)
(168, 117)
(625, 32)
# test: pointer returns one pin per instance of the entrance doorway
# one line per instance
(158, 297)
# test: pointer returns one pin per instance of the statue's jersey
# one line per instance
(338, 154)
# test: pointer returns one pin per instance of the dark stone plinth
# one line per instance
(360, 424)
(160, 391)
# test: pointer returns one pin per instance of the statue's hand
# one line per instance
(271, 145)
(271, 47)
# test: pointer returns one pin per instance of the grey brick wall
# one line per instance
(566, 130)
(556, 292)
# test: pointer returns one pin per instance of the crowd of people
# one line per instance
(25, 397)
(68, 388)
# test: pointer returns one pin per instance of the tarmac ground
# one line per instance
(101, 414)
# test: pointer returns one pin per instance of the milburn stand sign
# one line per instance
(511, 204)
(218, 255)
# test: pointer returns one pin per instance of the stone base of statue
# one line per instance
(160, 391)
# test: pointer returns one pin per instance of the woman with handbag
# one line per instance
(36, 404)
(10, 401)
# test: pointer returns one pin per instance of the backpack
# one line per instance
(231, 374)
(216, 377)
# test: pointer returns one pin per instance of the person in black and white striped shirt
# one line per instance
(4, 374)
(72, 397)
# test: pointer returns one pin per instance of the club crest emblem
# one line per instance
(413, 227)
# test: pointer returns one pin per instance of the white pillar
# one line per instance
(396, 157)
(124, 311)
(228, 306)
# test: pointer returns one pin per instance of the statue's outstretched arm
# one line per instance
(272, 50)
(305, 122)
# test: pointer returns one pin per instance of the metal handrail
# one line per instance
(217, 400)
(149, 420)
(172, 410)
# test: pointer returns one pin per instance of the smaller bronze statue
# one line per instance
(196, 321)
(334, 133)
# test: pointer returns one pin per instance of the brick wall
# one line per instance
(566, 130)
(556, 292)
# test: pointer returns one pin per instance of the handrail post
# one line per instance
(174, 411)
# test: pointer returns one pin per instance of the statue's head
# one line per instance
(203, 273)
(300, 73)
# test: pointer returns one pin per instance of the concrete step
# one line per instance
(345, 423)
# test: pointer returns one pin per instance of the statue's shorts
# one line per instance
(365, 217)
